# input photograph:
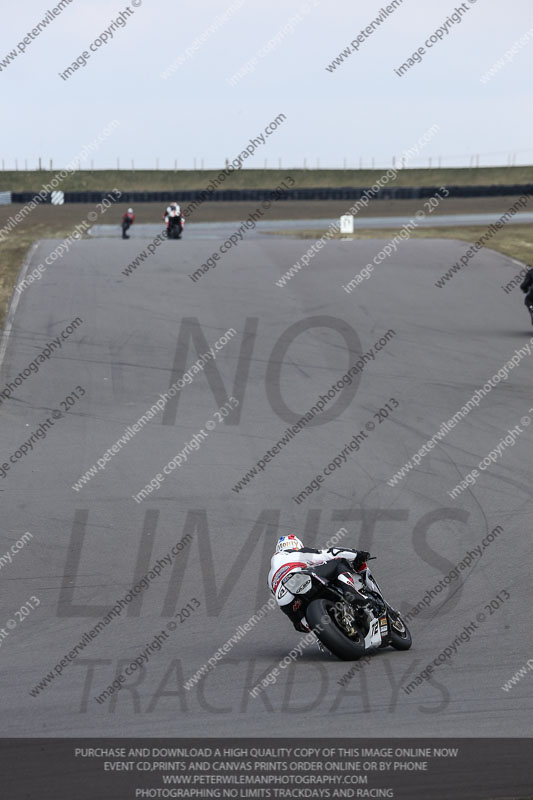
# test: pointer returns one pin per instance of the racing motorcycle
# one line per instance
(174, 222)
(335, 612)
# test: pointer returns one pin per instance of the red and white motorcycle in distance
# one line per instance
(174, 222)
(341, 624)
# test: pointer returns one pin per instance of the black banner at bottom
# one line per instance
(126, 769)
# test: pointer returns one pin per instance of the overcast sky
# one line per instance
(362, 110)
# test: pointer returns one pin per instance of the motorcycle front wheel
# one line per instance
(320, 615)
(400, 634)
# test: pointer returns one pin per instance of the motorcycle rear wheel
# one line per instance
(319, 615)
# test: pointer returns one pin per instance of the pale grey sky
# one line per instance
(361, 110)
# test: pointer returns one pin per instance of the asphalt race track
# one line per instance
(214, 230)
(433, 348)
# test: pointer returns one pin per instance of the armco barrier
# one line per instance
(243, 195)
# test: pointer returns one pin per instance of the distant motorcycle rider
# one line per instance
(127, 221)
(334, 563)
(173, 212)
(527, 288)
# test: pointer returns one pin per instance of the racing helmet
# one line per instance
(290, 542)
(130, 210)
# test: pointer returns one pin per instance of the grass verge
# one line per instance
(162, 180)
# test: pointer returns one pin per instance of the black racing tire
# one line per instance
(318, 617)
(175, 232)
(400, 640)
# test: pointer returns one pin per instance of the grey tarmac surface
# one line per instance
(215, 230)
(291, 345)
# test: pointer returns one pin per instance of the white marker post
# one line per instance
(348, 223)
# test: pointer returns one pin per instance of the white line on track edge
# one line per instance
(14, 301)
